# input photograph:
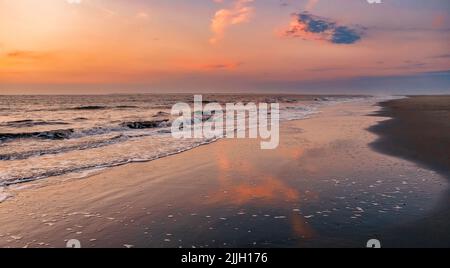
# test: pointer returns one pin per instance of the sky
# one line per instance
(304, 46)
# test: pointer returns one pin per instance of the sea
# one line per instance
(48, 136)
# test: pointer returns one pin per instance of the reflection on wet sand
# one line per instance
(300, 227)
(249, 185)
(267, 189)
(324, 181)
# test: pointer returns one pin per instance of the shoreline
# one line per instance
(418, 130)
(94, 170)
(230, 193)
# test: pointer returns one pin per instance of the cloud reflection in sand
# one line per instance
(260, 188)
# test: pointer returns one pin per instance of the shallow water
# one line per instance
(46, 136)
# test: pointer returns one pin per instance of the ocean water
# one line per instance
(47, 136)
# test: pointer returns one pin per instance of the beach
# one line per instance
(419, 130)
(324, 186)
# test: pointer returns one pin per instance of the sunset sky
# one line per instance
(120, 46)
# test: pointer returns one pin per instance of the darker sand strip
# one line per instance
(418, 131)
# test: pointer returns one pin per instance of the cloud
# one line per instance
(439, 21)
(72, 2)
(26, 55)
(214, 65)
(240, 12)
(142, 15)
(310, 27)
(324, 69)
(311, 4)
(222, 66)
(442, 56)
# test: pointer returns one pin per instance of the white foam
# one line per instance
(4, 195)
(98, 147)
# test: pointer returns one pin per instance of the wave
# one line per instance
(77, 108)
(63, 134)
(78, 147)
(89, 167)
(31, 123)
(99, 107)
(126, 107)
(146, 124)
(116, 131)
(93, 107)
(59, 134)
(80, 119)
(161, 114)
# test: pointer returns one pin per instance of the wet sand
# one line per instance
(322, 187)
(419, 130)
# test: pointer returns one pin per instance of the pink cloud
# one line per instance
(240, 12)
(311, 5)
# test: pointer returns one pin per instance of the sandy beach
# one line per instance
(323, 186)
(417, 131)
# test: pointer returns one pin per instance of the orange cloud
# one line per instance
(142, 15)
(239, 13)
(439, 21)
(26, 55)
(220, 65)
(297, 28)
